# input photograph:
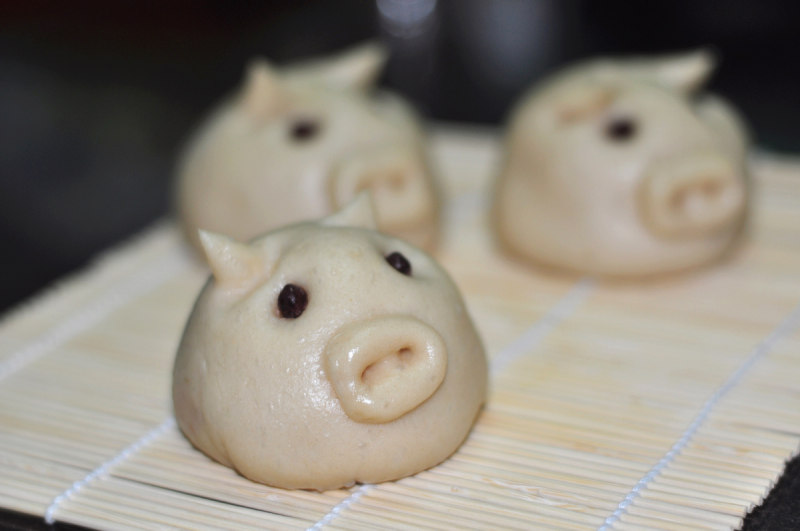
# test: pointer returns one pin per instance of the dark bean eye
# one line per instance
(292, 301)
(399, 262)
(621, 129)
(303, 129)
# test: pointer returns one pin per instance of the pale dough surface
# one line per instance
(664, 191)
(255, 391)
(299, 143)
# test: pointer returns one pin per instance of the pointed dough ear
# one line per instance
(263, 91)
(233, 264)
(355, 69)
(358, 213)
(684, 72)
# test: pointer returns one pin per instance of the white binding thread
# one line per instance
(342, 505)
(761, 349)
(105, 469)
(91, 315)
(562, 309)
(565, 307)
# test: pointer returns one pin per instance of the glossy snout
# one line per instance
(383, 368)
(691, 196)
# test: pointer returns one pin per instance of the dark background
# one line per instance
(96, 98)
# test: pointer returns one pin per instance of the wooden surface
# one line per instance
(664, 404)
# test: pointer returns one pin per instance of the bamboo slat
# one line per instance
(666, 404)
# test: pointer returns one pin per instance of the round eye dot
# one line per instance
(303, 129)
(621, 129)
(399, 262)
(292, 301)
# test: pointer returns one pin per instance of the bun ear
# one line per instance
(233, 264)
(355, 69)
(263, 89)
(358, 213)
(685, 72)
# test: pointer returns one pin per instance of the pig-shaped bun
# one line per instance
(324, 354)
(619, 167)
(299, 143)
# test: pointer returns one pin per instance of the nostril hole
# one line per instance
(387, 366)
(706, 191)
(678, 199)
(396, 181)
(405, 355)
(711, 189)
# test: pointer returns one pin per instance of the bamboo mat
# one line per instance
(666, 404)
